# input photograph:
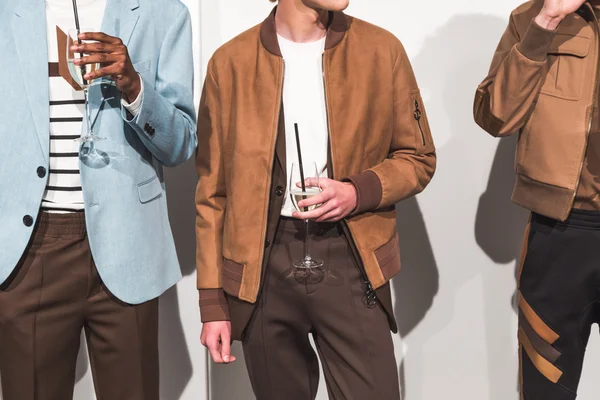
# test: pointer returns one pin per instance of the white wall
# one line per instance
(460, 239)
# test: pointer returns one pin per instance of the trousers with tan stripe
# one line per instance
(559, 300)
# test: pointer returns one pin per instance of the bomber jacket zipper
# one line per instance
(593, 109)
(262, 269)
(418, 114)
(370, 296)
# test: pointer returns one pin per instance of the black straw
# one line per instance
(299, 155)
(76, 17)
(76, 13)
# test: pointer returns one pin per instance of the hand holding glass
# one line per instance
(78, 73)
(298, 194)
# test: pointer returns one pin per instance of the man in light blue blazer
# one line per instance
(85, 240)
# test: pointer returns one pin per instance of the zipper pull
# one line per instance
(370, 297)
(417, 113)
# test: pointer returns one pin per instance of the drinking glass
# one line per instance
(307, 265)
(78, 72)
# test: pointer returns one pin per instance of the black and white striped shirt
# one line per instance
(63, 190)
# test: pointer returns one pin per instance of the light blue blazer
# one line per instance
(122, 176)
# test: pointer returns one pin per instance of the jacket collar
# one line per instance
(336, 31)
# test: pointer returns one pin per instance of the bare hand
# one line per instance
(114, 60)
(216, 336)
(554, 11)
(338, 199)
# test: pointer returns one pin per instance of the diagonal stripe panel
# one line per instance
(546, 350)
(546, 368)
(539, 326)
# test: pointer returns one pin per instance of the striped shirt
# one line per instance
(63, 189)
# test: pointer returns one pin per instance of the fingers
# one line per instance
(225, 348)
(99, 37)
(110, 70)
(97, 47)
(318, 199)
(98, 58)
(212, 343)
(323, 183)
(317, 212)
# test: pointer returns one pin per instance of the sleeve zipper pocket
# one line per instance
(418, 114)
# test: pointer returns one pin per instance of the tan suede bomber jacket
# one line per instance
(379, 139)
(543, 85)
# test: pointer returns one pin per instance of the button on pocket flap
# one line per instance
(578, 46)
(149, 190)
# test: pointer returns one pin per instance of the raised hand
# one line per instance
(113, 56)
(554, 11)
(338, 200)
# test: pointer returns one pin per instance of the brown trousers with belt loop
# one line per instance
(52, 295)
(353, 341)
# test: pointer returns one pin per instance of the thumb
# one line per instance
(226, 347)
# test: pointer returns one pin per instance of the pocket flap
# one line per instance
(388, 257)
(149, 190)
(142, 66)
(232, 274)
(578, 46)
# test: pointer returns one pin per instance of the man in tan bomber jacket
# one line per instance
(350, 88)
(543, 86)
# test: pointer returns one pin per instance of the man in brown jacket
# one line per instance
(543, 85)
(350, 88)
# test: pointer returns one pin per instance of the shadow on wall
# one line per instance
(175, 364)
(499, 224)
(417, 284)
(464, 47)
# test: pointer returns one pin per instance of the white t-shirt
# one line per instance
(304, 104)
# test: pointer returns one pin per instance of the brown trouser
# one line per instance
(353, 341)
(52, 295)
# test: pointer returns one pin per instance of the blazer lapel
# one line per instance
(29, 33)
(120, 20)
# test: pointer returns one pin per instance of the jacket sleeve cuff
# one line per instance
(213, 305)
(536, 42)
(368, 189)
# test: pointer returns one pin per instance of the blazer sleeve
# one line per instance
(166, 121)
(412, 160)
(211, 203)
(506, 97)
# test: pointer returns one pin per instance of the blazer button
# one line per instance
(267, 242)
(28, 220)
(41, 172)
(279, 191)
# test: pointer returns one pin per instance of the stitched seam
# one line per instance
(362, 334)
(325, 365)
(37, 311)
(262, 324)
(139, 347)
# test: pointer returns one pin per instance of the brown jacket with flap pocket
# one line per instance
(379, 140)
(543, 86)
